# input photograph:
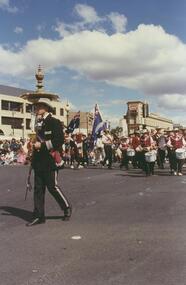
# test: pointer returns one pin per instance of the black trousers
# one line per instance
(150, 168)
(124, 160)
(136, 161)
(85, 157)
(75, 157)
(161, 158)
(175, 164)
(108, 155)
(43, 180)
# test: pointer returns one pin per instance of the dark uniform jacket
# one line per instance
(51, 137)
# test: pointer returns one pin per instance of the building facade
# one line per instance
(138, 118)
(86, 121)
(123, 125)
(16, 112)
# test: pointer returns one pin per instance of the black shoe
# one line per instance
(36, 221)
(67, 214)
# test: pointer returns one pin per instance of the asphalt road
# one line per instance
(125, 229)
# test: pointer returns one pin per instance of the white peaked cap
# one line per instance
(44, 101)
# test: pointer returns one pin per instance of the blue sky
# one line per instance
(105, 52)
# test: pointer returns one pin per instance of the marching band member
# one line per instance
(99, 149)
(74, 152)
(79, 143)
(135, 143)
(161, 144)
(85, 149)
(107, 140)
(176, 141)
(148, 144)
(124, 145)
(170, 150)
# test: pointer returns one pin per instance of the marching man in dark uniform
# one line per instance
(49, 140)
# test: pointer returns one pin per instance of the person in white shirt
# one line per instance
(107, 140)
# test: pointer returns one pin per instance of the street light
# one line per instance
(87, 122)
(13, 113)
(23, 133)
(67, 108)
(109, 124)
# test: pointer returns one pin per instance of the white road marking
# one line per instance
(76, 237)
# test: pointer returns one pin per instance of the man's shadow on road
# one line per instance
(16, 212)
(23, 214)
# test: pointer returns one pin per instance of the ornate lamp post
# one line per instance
(23, 130)
(109, 124)
(87, 117)
(13, 113)
(39, 77)
(67, 108)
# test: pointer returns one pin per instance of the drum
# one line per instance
(150, 156)
(130, 152)
(180, 153)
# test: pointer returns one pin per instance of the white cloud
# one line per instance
(41, 27)
(118, 102)
(72, 107)
(112, 119)
(115, 102)
(5, 5)
(178, 118)
(90, 20)
(119, 22)
(174, 106)
(172, 102)
(154, 66)
(65, 30)
(87, 13)
(18, 30)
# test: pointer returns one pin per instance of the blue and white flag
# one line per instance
(74, 123)
(98, 124)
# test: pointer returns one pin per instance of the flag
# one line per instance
(74, 123)
(98, 124)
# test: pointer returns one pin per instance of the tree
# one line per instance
(117, 131)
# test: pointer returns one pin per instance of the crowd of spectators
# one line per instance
(13, 151)
(76, 152)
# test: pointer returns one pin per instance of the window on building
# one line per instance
(11, 106)
(28, 108)
(4, 105)
(133, 112)
(131, 121)
(16, 123)
(61, 112)
(54, 111)
(28, 124)
(15, 106)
